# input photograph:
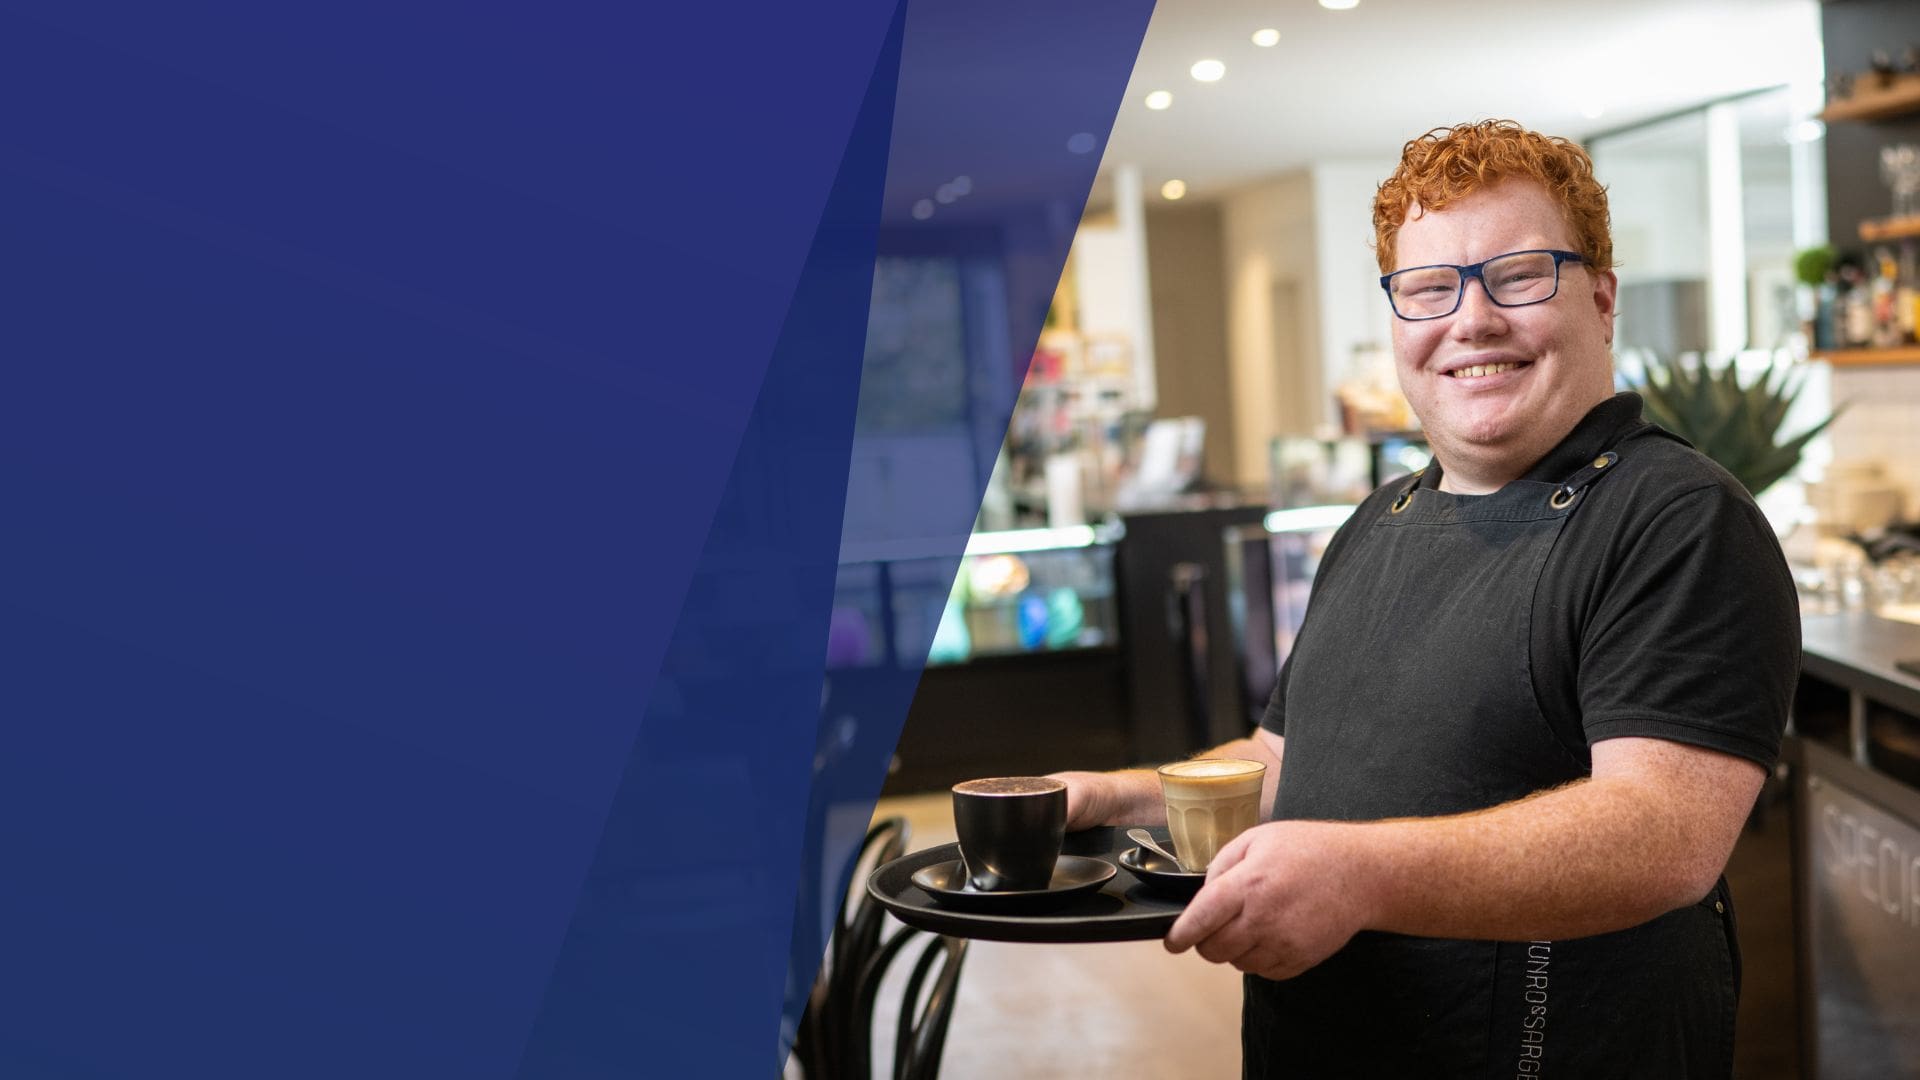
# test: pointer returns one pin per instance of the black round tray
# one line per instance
(1125, 909)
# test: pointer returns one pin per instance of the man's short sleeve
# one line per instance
(1275, 719)
(1695, 636)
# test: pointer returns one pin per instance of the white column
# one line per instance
(1809, 169)
(1130, 215)
(1726, 239)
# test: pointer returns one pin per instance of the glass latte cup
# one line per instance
(1209, 802)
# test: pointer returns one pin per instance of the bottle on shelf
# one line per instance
(1826, 314)
(1856, 306)
(1886, 325)
(1905, 295)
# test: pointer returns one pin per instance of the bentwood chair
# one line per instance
(824, 1042)
(926, 1009)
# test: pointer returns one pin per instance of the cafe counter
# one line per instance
(1854, 767)
(1854, 694)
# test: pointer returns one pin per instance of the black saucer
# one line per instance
(1073, 875)
(1160, 873)
(1121, 910)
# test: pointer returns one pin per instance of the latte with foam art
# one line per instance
(1209, 802)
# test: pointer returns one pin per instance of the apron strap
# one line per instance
(1405, 497)
(1563, 493)
(1570, 488)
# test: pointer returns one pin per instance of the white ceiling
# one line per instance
(1355, 85)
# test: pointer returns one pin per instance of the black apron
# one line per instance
(1410, 694)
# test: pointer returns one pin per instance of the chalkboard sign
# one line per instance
(1859, 876)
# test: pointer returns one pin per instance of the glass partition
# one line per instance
(1656, 178)
(1709, 208)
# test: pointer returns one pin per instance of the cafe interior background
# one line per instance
(1212, 392)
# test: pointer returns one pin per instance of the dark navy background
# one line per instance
(425, 434)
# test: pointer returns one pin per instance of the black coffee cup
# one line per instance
(1011, 829)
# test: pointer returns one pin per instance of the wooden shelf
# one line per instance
(1890, 228)
(1909, 354)
(1876, 102)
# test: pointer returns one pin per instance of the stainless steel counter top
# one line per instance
(1857, 651)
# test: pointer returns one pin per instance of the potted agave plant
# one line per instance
(1736, 424)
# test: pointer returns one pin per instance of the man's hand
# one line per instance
(1132, 796)
(1279, 899)
(1109, 798)
(1648, 833)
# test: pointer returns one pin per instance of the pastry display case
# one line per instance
(1020, 638)
(1015, 593)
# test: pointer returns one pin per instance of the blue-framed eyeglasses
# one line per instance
(1515, 279)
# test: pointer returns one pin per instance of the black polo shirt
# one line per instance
(1665, 610)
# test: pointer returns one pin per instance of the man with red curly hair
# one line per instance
(1536, 693)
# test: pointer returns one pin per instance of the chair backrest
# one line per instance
(857, 932)
(920, 1037)
(825, 1043)
(920, 1034)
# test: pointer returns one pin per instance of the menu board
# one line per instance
(1862, 889)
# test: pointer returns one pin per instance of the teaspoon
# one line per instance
(1145, 840)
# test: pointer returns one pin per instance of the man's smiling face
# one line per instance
(1497, 387)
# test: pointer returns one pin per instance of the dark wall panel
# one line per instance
(1851, 31)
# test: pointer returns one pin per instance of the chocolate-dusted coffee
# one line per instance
(1209, 802)
(1011, 829)
(1010, 785)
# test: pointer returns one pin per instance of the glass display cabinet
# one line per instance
(1015, 593)
(1020, 640)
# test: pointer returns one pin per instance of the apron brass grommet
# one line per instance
(1401, 503)
(1562, 498)
(1601, 462)
(1719, 907)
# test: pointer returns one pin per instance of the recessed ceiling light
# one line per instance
(1083, 143)
(1593, 110)
(1159, 99)
(962, 185)
(1339, 5)
(923, 210)
(1208, 70)
(1266, 38)
(1806, 131)
(1173, 189)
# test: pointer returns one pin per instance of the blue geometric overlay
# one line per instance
(429, 435)
(1002, 112)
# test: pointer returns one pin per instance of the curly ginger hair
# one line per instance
(1450, 163)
